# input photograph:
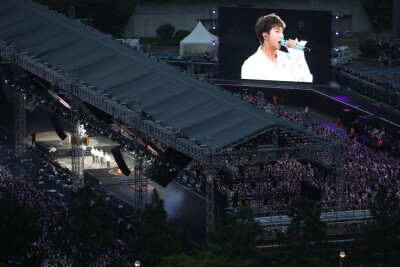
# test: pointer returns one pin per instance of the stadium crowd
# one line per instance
(23, 179)
(272, 186)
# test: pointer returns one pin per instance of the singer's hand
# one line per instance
(292, 43)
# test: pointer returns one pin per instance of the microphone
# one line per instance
(297, 47)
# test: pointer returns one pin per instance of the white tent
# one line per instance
(198, 42)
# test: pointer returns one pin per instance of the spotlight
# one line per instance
(337, 33)
(336, 17)
(214, 27)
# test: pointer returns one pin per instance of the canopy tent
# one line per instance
(198, 42)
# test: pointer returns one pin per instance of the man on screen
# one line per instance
(269, 63)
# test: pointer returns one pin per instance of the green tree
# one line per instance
(92, 226)
(380, 13)
(152, 236)
(239, 236)
(304, 236)
(232, 244)
(212, 256)
(370, 49)
(380, 244)
(165, 34)
(305, 224)
(19, 229)
(180, 35)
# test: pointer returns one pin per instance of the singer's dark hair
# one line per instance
(265, 24)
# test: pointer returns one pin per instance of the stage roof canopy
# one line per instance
(196, 108)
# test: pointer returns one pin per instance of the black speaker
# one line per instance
(57, 126)
(116, 151)
(161, 174)
(179, 160)
(310, 191)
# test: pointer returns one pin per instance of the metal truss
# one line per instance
(78, 149)
(20, 100)
(374, 92)
(140, 186)
(19, 122)
(321, 154)
(210, 172)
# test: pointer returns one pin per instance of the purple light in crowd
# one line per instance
(342, 98)
(337, 33)
(214, 11)
(214, 27)
(336, 17)
(213, 43)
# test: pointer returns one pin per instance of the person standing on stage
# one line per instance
(33, 139)
(101, 155)
(93, 152)
(97, 155)
(108, 160)
(53, 152)
(83, 150)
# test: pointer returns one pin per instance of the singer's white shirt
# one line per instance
(291, 67)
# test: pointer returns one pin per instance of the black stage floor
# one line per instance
(107, 177)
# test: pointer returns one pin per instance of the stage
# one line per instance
(94, 173)
(64, 147)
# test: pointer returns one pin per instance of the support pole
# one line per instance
(210, 191)
(210, 172)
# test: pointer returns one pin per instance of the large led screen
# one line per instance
(242, 56)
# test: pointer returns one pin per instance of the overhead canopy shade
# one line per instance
(196, 108)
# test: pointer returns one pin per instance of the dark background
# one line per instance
(238, 40)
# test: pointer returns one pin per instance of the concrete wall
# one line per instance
(148, 17)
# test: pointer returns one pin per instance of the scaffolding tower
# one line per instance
(19, 121)
(77, 155)
(140, 185)
(78, 148)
